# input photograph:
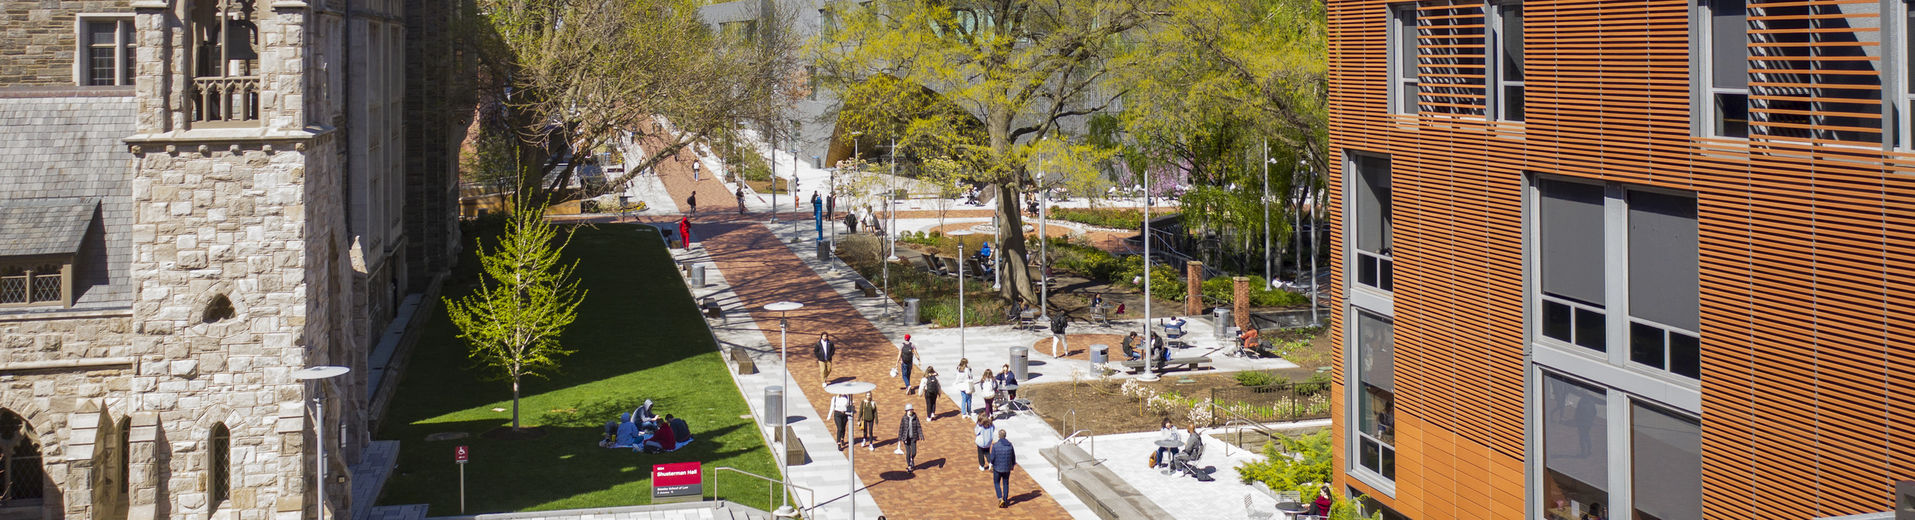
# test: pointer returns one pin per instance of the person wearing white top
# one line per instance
(1170, 433)
(841, 415)
(967, 385)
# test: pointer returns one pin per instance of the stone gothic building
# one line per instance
(197, 198)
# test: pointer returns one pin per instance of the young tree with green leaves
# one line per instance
(1015, 70)
(527, 298)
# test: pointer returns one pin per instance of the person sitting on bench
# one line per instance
(1161, 351)
(1130, 347)
(1175, 328)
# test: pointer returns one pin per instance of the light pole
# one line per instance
(320, 373)
(1043, 248)
(848, 389)
(1269, 282)
(784, 413)
(960, 234)
(1149, 339)
(891, 230)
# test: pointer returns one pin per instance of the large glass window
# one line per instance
(1509, 63)
(1724, 68)
(1664, 302)
(1575, 449)
(1376, 402)
(1666, 461)
(1372, 215)
(1571, 219)
(1403, 57)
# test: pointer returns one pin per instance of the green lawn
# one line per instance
(637, 337)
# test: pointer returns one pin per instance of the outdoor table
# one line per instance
(1291, 509)
(1169, 443)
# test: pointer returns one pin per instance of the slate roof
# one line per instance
(59, 147)
(51, 226)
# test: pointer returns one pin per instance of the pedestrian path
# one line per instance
(684, 511)
(760, 267)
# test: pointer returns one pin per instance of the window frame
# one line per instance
(1358, 394)
(1702, 74)
(125, 45)
(29, 266)
(1380, 263)
(1499, 83)
(219, 466)
(1620, 404)
(1404, 95)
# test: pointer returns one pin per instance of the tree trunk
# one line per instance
(515, 403)
(1010, 239)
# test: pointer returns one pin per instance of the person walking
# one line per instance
(1003, 460)
(695, 162)
(840, 416)
(966, 386)
(910, 431)
(741, 198)
(987, 389)
(930, 388)
(684, 232)
(825, 351)
(692, 201)
(982, 435)
(1058, 323)
(868, 416)
(907, 352)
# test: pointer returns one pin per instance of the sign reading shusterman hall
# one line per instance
(680, 482)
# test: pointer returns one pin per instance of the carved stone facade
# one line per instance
(245, 223)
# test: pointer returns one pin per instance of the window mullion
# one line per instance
(1616, 272)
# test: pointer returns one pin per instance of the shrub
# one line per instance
(1314, 385)
(1290, 462)
(1110, 218)
(1255, 378)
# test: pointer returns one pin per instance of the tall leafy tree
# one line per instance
(1016, 70)
(589, 73)
(523, 305)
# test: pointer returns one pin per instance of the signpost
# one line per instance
(679, 482)
(460, 455)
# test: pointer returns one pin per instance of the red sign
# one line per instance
(460, 454)
(684, 480)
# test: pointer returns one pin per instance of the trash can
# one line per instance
(698, 276)
(824, 251)
(1021, 362)
(1223, 322)
(774, 410)
(910, 314)
(1099, 354)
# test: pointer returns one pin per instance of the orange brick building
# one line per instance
(1654, 257)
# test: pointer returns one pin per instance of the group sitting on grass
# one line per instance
(640, 430)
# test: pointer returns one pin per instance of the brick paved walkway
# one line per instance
(947, 483)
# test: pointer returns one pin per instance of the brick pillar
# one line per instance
(1240, 294)
(1193, 287)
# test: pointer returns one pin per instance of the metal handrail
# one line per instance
(770, 491)
(1087, 434)
(1238, 421)
(1070, 419)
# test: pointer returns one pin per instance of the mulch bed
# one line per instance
(1102, 408)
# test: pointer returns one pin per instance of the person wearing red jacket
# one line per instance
(684, 232)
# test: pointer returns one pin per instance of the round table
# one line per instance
(1169, 443)
(1292, 509)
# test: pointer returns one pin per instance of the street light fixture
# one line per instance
(320, 373)
(784, 419)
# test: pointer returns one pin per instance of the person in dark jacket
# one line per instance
(1058, 323)
(1130, 347)
(930, 387)
(907, 353)
(1003, 460)
(692, 201)
(826, 350)
(910, 431)
(741, 199)
(1007, 383)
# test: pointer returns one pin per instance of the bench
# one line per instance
(1189, 363)
(870, 291)
(794, 449)
(741, 361)
(1092, 480)
(924, 263)
(711, 310)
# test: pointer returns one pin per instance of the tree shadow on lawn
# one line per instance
(638, 336)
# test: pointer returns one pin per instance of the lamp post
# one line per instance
(960, 234)
(320, 373)
(784, 419)
(1149, 340)
(848, 389)
(1269, 281)
(1043, 247)
(773, 141)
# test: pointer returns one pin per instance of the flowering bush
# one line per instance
(1201, 413)
(1135, 390)
(1160, 403)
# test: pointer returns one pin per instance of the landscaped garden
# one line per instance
(637, 337)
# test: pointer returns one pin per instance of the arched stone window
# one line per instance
(22, 482)
(220, 308)
(219, 467)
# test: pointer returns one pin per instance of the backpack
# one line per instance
(931, 386)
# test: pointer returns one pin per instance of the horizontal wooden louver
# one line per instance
(1815, 70)
(1450, 58)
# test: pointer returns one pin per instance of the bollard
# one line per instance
(1020, 363)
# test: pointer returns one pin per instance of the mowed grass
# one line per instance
(638, 336)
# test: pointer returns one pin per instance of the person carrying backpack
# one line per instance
(1058, 323)
(907, 353)
(929, 385)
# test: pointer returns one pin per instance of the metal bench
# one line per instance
(1189, 363)
(925, 264)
